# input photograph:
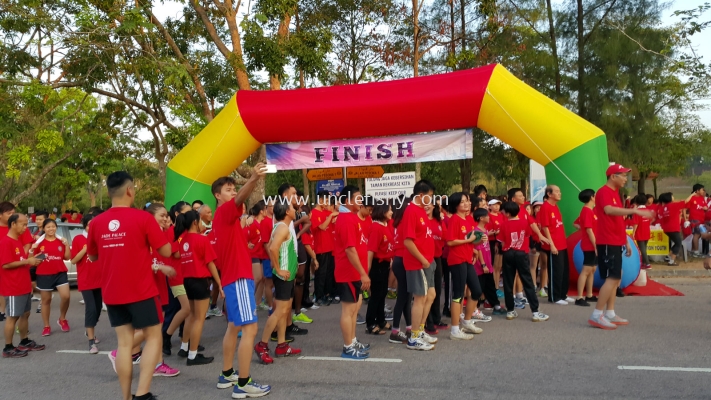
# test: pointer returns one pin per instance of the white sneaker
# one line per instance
(81, 301)
(461, 335)
(479, 316)
(419, 344)
(570, 299)
(511, 315)
(561, 303)
(35, 298)
(388, 309)
(429, 339)
(539, 317)
(542, 293)
(103, 307)
(469, 326)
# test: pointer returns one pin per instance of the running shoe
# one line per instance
(499, 311)
(313, 306)
(103, 307)
(136, 358)
(460, 335)
(388, 316)
(271, 311)
(398, 337)
(302, 318)
(46, 331)
(522, 300)
(200, 359)
(164, 370)
(362, 346)
(589, 299)
(336, 300)
(13, 353)
(488, 306)
(63, 325)
(93, 349)
(226, 382)
(561, 303)
(511, 315)
(428, 338)
(214, 312)
(520, 305)
(296, 330)
(387, 309)
(542, 293)
(112, 358)
(39, 309)
(284, 350)
(419, 343)
(392, 295)
(617, 320)
(469, 327)
(499, 293)
(262, 307)
(539, 317)
(81, 301)
(31, 346)
(582, 303)
(602, 323)
(262, 350)
(354, 353)
(275, 338)
(251, 389)
(620, 293)
(35, 298)
(570, 299)
(17, 330)
(479, 316)
(360, 320)
(96, 339)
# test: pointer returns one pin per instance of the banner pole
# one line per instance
(345, 177)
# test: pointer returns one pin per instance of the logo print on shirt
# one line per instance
(422, 220)
(186, 246)
(114, 225)
(59, 248)
(17, 251)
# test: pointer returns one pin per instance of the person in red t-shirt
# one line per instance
(403, 303)
(15, 285)
(697, 206)
(587, 222)
(351, 256)
(641, 229)
(669, 214)
(256, 247)
(52, 274)
(321, 224)
(514, 234)
(380, 255)
(121, 239)
(434, 318)
(7, 210)
(610, 237)
(553, 229)
(496, 219)
(237, 282)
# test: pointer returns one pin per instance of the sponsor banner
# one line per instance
(438, 146)
(391, 185)
(333, 187)
(658, 244)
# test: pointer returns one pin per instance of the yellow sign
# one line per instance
(325, 174)
(658, 244)
(365, 172)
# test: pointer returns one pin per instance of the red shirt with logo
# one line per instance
(88, 273)
(232, 252)
(195, 254)
(254, 237)
(415, 225)
(15, 281)
(381, 241)
(550, 218)
(587, 219)
(643, 231)
(437, 236)
(54, 263)
(514, 235)
(323, 238)
(267, 225)
(25, 239)
(670, 216)
(122, 238)
(495, 222)
(349, 233)
(610, 228)
(457, 230)
(696, 207)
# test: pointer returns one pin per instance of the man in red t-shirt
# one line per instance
(351, 256)
(7, 210)
(697, 209)
(16, 286)
(122, 238)
(321, 219)
(610, 237)
(237, 283)
(552, 226)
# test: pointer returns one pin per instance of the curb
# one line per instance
(662, 273)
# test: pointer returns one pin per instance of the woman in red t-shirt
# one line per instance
(380, 255)
(89, 282)
(52, 274)
(669, 215)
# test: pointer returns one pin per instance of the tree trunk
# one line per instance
(40, 177)
(641, 182)
(581, 61)
(654, 183)
(465, 167)
(282, 36)
(305, 181)
(453, 49)
(554, 48)
(523, 186)
(258, 192)
(464, 25)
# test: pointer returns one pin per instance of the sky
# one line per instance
(174, 10)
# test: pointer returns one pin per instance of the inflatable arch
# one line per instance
(573, 151)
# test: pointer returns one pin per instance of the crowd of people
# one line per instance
(163, 270)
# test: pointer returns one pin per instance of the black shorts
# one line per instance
(589, 259)
(283, 290)
(33, 274)
(350, 291)
(301, 253)
(609, 261)
(496, 248)
(197, 288)
(47, 283)
(141, 314)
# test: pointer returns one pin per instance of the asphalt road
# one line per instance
(563, 358)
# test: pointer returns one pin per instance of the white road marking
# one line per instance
(80, 352)
(381, 360)
(674, 369)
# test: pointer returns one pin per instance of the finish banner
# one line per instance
(438, 146)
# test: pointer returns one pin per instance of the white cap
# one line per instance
(494, 201)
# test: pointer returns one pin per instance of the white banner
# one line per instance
(538, 181)
(391, 185)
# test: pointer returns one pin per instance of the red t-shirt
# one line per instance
(88, 273)
(267, 226)
(551, 219)
(514, 234)
(16, 281)
(76, 220)
(232, 252)
(54, 263)
(381, 241)
(524, 215)
(367, 225)
(349, 233)
(25, 239)
(122, 238)
(610, 228)
(307, 240)
(696, 207)
(670, 216)
(457, 230)
(254, 237)
(323, 238)
(177, 280)
(587, 219)
(195, 254)
(398, 246)
(643, 231)
(415, 225)
(495, 222)
(438, 236)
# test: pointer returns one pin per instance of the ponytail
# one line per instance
(184, 221)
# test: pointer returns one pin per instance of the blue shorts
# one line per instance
(267, 268)
(239, 301)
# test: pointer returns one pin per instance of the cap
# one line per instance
(537, 203)
(494, 201)
(616, 169)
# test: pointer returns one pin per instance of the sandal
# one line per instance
(374, 330)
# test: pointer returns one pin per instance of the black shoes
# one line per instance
(200, 360)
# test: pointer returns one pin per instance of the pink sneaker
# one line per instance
(112, 358)
(63, 324)
(46, 331)
(165, 370)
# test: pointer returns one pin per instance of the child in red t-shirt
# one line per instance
(587, 221)
(641, 229)
(483, 267)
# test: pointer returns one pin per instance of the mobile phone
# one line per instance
(271, 169)
(41, 256)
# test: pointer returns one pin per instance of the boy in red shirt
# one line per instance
(587, 221)
(514, 235)
(321, 221)
(351, 255)
(237, 283)
(641, 229)
(15, 285)
(558, 268)
(697, 208)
